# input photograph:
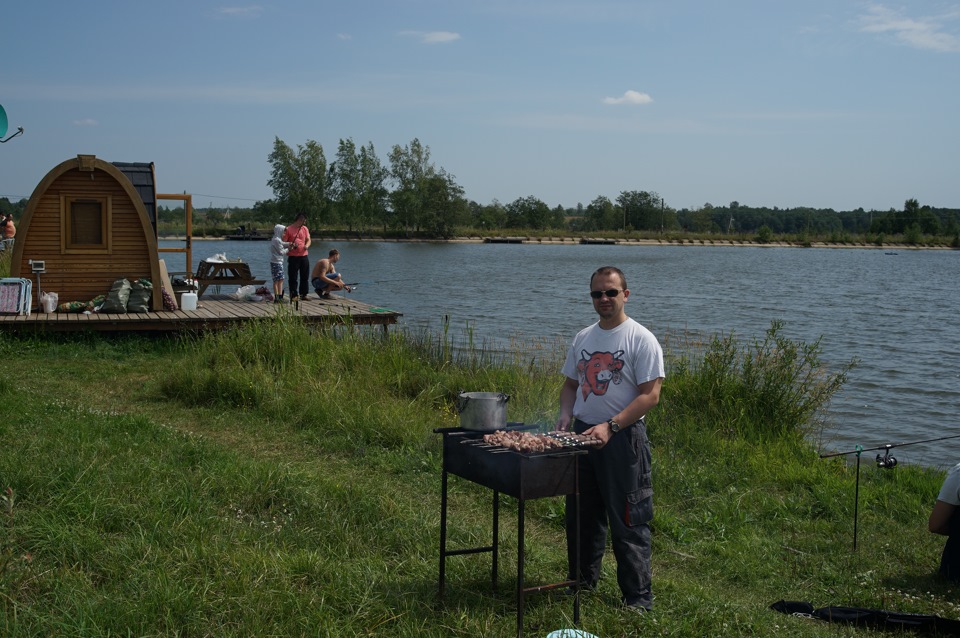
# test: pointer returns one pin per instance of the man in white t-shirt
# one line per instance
(614, 371)
(945, 520)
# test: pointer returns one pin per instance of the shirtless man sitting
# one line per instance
(325, 278)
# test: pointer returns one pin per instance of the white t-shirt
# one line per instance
(609, 365)
(950, 492)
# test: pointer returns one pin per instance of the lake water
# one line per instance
(897, 313)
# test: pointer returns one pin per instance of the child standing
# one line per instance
(278, 250)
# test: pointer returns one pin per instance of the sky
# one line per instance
(823, 103)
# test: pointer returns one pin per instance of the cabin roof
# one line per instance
(141, 175)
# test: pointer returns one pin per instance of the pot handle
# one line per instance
(462, 401)
(504, 397)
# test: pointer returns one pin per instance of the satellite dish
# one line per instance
(3, 127)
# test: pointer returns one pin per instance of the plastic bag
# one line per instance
(244, 293)
(48, 301)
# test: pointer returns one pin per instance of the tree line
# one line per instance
(410, 194)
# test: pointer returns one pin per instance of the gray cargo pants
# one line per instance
(616, 492)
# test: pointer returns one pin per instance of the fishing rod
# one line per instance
(349, 287)
(377, 281)
(884, 461)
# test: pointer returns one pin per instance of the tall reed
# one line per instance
(771, 388)
(390, 389)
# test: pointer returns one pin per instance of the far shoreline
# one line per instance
(576, 241)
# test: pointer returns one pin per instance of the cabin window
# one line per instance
(85, 224)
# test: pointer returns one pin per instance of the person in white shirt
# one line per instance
(614, 371)
(945, 520)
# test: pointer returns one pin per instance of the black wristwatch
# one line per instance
(614, 426)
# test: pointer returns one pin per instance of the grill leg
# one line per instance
(520, 558)
(443, 534)
(496, 537)
(576, 542)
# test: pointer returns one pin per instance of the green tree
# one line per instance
(409, 166)
(912, 234)
(443, 204)
(373, 189)
(928, 221)
(528, 212)
(344, 180)
(169, 215)
(601, 214)
(557, 216)
(299, 180)
(267, 212)
(703, 219)
(214, 216)
(643, 209)
(489, 217)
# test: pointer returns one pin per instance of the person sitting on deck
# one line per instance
(325, 278)
(945, 520)
(9, 231)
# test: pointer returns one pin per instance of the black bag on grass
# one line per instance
(873, 618)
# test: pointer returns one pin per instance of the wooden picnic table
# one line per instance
(217, 273)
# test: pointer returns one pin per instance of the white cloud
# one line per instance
(344, 36)
(921, 33)
(252, 11)
(630, 97)
(86, 122)
(432, 37)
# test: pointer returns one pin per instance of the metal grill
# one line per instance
(522, 475)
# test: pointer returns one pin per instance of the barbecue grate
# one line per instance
(557, 442)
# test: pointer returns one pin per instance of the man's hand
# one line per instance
(563, 424)
(600, 431)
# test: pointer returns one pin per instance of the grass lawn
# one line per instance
(274, 482)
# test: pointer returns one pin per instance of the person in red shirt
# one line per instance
(298, 261)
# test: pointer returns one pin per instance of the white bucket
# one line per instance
(188, 301)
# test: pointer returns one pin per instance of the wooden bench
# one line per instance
(218, 273)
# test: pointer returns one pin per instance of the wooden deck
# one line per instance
(213, 312)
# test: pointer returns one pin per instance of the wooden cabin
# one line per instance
(91, 222)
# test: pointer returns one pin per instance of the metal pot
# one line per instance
(485, 411)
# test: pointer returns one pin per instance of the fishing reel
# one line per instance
(886, 461)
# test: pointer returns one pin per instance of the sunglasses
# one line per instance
(613, 292)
